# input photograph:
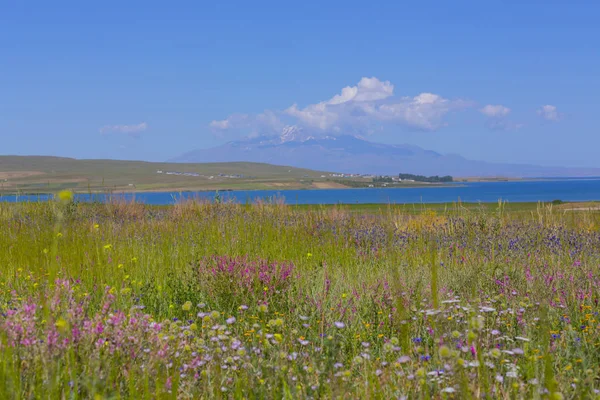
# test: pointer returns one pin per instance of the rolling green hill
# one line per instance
(49, 174)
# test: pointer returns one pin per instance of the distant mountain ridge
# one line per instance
(354, 154)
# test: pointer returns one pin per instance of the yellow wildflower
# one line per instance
(65, 196)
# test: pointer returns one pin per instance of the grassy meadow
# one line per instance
(267, 301)
(40, 174)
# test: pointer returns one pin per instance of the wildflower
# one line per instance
(107, 246)
(230, 320)
(187, 306)
(512, 374)
(471, 336)
(339, 325)
(403, 359)
(477, 323)
(444, 352)
(96, 226)
(61, 325)
(59, 235)
(262, 308)
(276, 322)
(65, 196)
(241, 308)
(308, 255)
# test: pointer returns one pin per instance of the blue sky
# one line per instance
(145, 80)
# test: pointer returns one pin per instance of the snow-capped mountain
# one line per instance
(353, 154)
(294, 133)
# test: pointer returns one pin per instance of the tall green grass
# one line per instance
(384, 301)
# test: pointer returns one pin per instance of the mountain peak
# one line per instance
(294, 133)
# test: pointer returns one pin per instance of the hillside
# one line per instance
(48, 174)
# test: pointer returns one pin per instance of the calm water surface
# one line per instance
(566, 190)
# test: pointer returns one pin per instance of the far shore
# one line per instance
(118, 191)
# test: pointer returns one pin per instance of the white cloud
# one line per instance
(326, 115)
(223, 124)
(127, 129)
(371, 102)
(315, 115)
(266, 122)
(425, 111)
(368, 89)
(495, 111)
(232, 122)
(550, 113)
(365, 107)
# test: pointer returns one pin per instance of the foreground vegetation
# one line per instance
(269, 301)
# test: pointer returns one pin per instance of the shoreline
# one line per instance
(458, 182)
(283, 189)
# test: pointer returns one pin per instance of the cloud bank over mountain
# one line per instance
(372, 105)
(363, 108)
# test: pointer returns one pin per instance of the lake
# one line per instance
(518, 191)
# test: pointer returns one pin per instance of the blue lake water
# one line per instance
(544, 190)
